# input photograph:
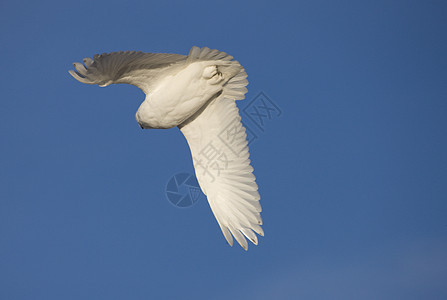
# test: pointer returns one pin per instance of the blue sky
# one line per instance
(352, 174)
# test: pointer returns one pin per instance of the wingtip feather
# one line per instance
(76, 75)
(80, 68)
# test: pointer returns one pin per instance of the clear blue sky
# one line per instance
(352, 175)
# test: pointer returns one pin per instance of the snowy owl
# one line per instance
(196, 93)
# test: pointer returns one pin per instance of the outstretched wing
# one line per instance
(220, 154)
(124, 67)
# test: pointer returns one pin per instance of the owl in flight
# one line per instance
(197, 94)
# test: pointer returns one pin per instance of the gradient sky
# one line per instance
(352, 174)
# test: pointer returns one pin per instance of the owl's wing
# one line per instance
(219, 148)
(136, 68)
